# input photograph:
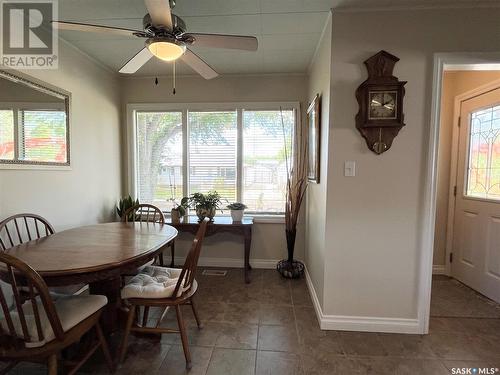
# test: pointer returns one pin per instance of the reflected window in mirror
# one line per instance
(33, 123)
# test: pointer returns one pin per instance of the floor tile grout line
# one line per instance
(256, 350)
(209, 360)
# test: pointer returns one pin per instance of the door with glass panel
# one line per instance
(476, 242)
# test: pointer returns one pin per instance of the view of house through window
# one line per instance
(212, 153)
(264, 162)
(213, 141)
(483, 179)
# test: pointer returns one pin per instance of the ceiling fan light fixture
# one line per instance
(166, 49)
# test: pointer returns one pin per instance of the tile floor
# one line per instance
(269, 327)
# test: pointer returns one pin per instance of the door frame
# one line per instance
(454, 163)
(441, 62)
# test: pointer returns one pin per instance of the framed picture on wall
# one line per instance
(313, 139)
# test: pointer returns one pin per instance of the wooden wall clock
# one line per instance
(380, 98)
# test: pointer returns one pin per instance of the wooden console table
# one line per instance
(219, 225)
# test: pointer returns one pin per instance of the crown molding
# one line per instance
(419, 5)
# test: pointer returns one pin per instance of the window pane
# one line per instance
(212, 153)
(43, 136)
(484, 154)
(264, 164)
(159, 157)
(6, 134)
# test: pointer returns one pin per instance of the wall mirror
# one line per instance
(34, 123)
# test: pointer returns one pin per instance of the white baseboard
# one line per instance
(439, 269)
(230, 262)
(360, 323)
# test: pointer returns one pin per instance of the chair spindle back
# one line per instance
(20, 319)
(188, 273)
(21, 228)
(144, 213)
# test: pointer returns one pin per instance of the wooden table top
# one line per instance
(94, 248)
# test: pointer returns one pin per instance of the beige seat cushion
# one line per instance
(153, 282)
(70, 309)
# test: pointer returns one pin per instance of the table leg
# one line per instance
(172, 251)
(111, 289)
(248, 243)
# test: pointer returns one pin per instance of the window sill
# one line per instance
(42, 167)
(268, 219)
(257, 219)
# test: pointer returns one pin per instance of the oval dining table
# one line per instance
(96, 255)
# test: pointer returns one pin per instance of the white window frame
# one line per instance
(239, 107)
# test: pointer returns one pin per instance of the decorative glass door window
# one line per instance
(483, 174)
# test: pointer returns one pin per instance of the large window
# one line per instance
(33, 135)
(238, 151)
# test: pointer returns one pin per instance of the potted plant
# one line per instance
(205, 205)
(124, 204)
(177, 212)
(296, 185)
(237, 210)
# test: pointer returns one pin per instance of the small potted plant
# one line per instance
(124, 204)
(237, 210)
(205, 205)
(177, 212)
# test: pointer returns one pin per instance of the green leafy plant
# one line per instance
(124, 204)
(236, 206)
(204, 204)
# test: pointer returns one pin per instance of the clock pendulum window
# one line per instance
(380, 98)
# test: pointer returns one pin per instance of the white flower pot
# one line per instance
(237, 215)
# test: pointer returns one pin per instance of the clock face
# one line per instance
(382, 105)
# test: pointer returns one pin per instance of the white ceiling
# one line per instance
(288, 30)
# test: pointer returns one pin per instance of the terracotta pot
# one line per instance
(176, 216)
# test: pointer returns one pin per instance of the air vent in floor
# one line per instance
(214, 273)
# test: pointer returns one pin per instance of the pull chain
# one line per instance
(173, 91)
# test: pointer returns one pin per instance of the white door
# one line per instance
(476, 239)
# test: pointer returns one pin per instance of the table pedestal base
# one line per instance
(111, 289)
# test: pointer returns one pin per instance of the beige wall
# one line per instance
(454, 83)
(319, 83)
(374, 220)
(87, 193)
(18, 92)
(268, 244)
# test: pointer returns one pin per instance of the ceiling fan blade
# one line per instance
(76, 26)
(135, 63)
(246, 43)
(160, 12)
(198, 65)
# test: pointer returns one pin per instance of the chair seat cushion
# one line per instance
(153, 282)
(71, 311)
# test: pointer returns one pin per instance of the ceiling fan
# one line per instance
(167, 39)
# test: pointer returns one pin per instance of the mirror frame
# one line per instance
(42, 87)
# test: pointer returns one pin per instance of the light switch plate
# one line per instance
(349, 168)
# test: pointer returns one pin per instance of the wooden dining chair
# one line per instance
(40, 328)
(147, 213)
(164, 287)
(20, 228)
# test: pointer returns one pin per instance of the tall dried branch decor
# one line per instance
(296, 187)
